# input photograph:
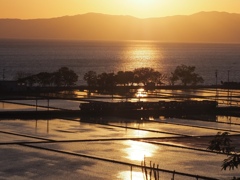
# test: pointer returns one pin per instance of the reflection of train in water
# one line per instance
(160, 106)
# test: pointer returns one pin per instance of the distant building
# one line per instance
(12, 86)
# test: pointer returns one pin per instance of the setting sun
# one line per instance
(143, 3)
(142, 8)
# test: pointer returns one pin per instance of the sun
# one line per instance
(142, 8)
(142, 3)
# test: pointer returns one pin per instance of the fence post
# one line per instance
(131, 171)
(36, 104)
(173, 175)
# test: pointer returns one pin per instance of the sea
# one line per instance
(214, 62)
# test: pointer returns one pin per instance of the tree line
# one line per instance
(62, 77)
(184, 75)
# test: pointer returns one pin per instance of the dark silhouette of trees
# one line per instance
(158, 78)
(106, 79)
(20, 75)
(223, 143)
(144, 75)
(43, 78)
(91, 78)
(185, 74)
(125, 77)
(29, 80)
(66, 77)
(62, 77)
(148, 75)
(129, 77)
(173, 78)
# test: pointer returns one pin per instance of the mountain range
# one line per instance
(215, 27)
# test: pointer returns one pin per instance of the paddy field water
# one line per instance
(75, 148)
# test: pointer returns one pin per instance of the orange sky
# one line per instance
(31, 9)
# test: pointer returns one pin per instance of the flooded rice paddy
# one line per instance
(108, 148)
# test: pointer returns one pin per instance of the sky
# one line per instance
(33, 9)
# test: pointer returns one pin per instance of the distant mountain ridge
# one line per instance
(216, 27)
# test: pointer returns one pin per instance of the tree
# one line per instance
(186, 75)
(173, 78)
(65, 77)
(142, 75)
(21, 75)
(147, 75)
(222, 143)
(158, 78)
(111, 80)
(106, 80)
(91, 78)
(129, 76)
(43, 78)
(124, 77)
(29, 80)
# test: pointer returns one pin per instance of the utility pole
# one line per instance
(216, 75)
(36, 104)
(228, 75)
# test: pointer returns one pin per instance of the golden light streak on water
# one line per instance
(141, 93)
(145, 55)
(136, 151)
(128, 175)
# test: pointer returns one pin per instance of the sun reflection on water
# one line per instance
(141, 93)
(128, 175)
(140, 133)
(146, 55)
(142, 53)
(136, 151)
